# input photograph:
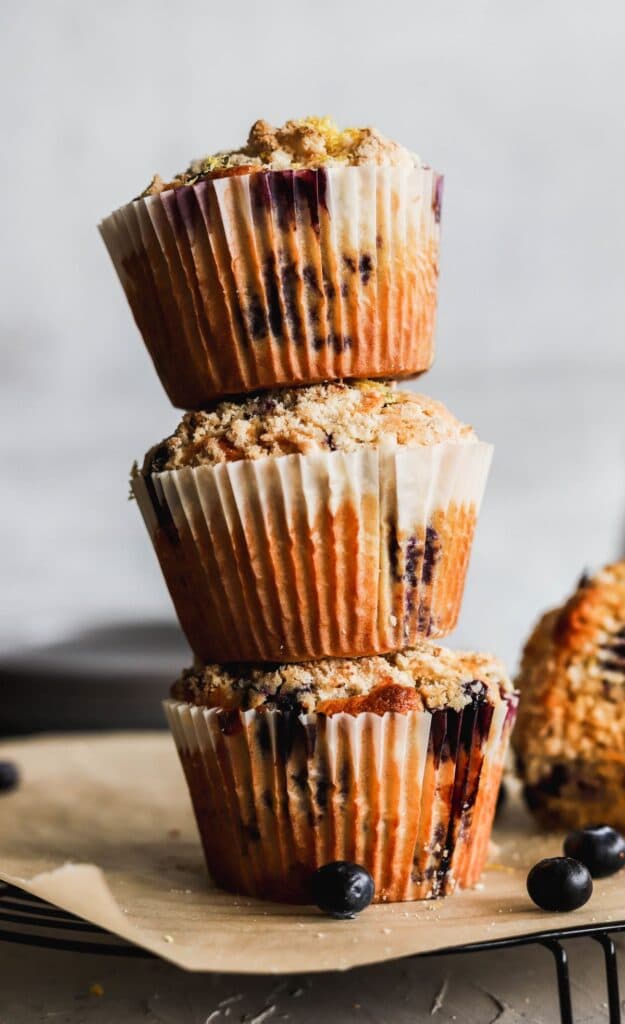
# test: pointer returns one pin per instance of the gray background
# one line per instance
(519, 104)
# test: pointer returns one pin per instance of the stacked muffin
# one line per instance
(313, 523)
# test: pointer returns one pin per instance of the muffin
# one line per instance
(309, 254)
(328, 521)
(393, 762)
(570, 741)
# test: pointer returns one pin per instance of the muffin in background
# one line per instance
(328, 521)
(392, 762)
(309, 254)
(570, 739)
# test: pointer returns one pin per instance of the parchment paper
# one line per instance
(102, 827)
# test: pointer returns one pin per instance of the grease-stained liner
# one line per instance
(269, 278)
(296, 557)
(411, 796)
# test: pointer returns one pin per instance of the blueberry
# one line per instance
(342, 889)
(559, 883)
(599, 847)
(9, 776)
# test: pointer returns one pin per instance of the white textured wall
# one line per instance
(520, 104)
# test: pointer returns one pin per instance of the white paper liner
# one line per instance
(411, 796)
(309, 556)
(282, 277)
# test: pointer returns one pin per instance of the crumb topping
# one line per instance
(309, 142)
(322, 417)
(572, 679)
(432, 677)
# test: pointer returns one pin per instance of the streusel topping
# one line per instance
(439, 677)
(323, 417)
(309, 142)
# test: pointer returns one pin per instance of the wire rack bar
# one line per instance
(58, 929)
(611, 972)
(562, 975)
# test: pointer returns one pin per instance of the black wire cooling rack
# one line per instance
(29, 921)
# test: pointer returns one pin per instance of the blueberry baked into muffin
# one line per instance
(570, 738)
(311, 253)
(334, 520)
(391, 762)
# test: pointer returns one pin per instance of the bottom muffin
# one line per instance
(393, 762)
(570, 741)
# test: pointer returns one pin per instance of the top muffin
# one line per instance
(309, 254)
(308, 142)
(323, 417)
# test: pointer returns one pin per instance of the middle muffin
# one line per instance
(328, 521)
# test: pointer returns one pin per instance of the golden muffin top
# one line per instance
(426, 676)
(322, 417)
(308, 142)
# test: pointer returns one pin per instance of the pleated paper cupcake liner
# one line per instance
(321, 555)
(410, 796)
(282, 277)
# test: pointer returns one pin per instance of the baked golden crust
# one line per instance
(384, 698)
(426, 676)
(322, 417)
(303, 143)
(571, 725)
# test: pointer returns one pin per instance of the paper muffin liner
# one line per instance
(297, 557)
(411, 796)
(282, 277)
